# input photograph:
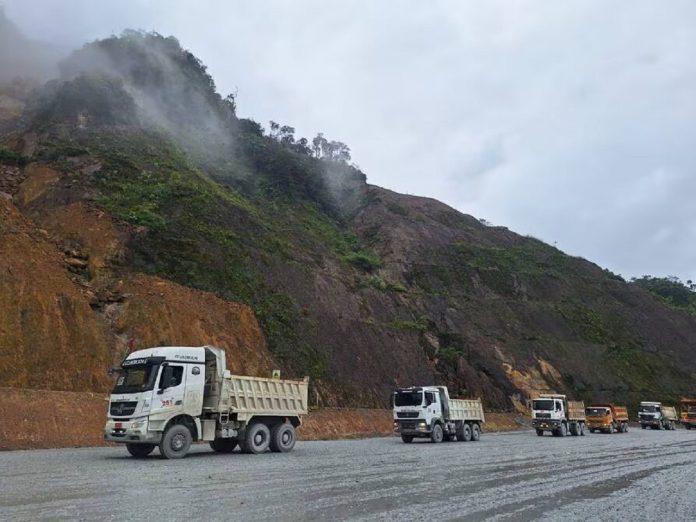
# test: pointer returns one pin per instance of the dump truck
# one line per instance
(170, 397)
(687, 410)
(556, 414)
(657, 416)
(608, 418)
(429, 412)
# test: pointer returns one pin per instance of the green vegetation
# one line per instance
(10, 157)
(388, 286)
(363, 261)
(419, 325)
(671, 290)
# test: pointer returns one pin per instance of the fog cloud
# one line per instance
(571, 121)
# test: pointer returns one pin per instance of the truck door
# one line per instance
(432, 406)
(195, 384)
(170, 389)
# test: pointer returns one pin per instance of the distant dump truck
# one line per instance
(687, 409)
(172, 396)
(657, 416)
(428, 412)
(608, 418)
(555, 413)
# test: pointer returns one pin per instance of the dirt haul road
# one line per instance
(640, 475)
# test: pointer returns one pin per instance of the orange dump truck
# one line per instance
(687, 410)
(608, 418)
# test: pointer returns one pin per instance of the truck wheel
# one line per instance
(688, 427)
(612, 429)
(257, 438)
(582, 429)
(408, 439)
(223, 445)
(140, 451)
(176, 442)
(574, 429)
(475, 432)
(466, 433)
(625, 427)
(436, 435)
(643, 426)
(562, 430)
(540, 433)
(282, 437)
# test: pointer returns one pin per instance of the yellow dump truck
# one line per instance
(608, 418)
(687, 412)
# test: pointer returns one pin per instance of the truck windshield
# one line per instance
(649, 409)
(136, 378)
(408, 399)
(597, 412)
(543, 404)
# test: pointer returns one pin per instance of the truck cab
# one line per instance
(416, 409)
(154, 386)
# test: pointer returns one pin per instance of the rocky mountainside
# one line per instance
(139, 209)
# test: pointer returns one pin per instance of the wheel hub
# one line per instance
(178, 442)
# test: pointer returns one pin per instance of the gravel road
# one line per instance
(640, 475)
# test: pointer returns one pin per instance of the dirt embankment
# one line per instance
(33, 419)
(65, 318)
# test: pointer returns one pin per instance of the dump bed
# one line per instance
(669, 412)
(576, 411)
(252, 396)
(620, 413)
(466, 410)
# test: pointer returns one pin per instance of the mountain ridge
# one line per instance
(358, 286)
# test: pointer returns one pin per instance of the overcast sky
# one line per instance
(574, 122)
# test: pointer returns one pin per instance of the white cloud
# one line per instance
(573, 121)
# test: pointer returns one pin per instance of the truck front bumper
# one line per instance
(412, 427)
(546, 424)
(131, 431)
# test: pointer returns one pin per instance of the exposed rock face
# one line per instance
(59, 331)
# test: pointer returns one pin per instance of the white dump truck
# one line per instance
(657, 416)
(428, 412)
(173, 396)
(555, 413)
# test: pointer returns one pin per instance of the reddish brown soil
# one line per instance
(33, 419)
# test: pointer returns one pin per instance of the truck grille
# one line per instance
(408, 425)
(122, 408)
(543, 415)
(407, 414)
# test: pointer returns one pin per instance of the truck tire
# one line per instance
(574, 429)
(140, 451)
(612, 430)
(436, 435)
(282, 437)
(408, 439)
(223, 445)
(625, 427)
(464, 432)
(540, 433)
(475, 432)
(562, 430)
(643, 426)
(176, 442)
(257, 438)
(582, 429)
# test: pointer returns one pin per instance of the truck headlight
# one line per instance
(139, 423)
